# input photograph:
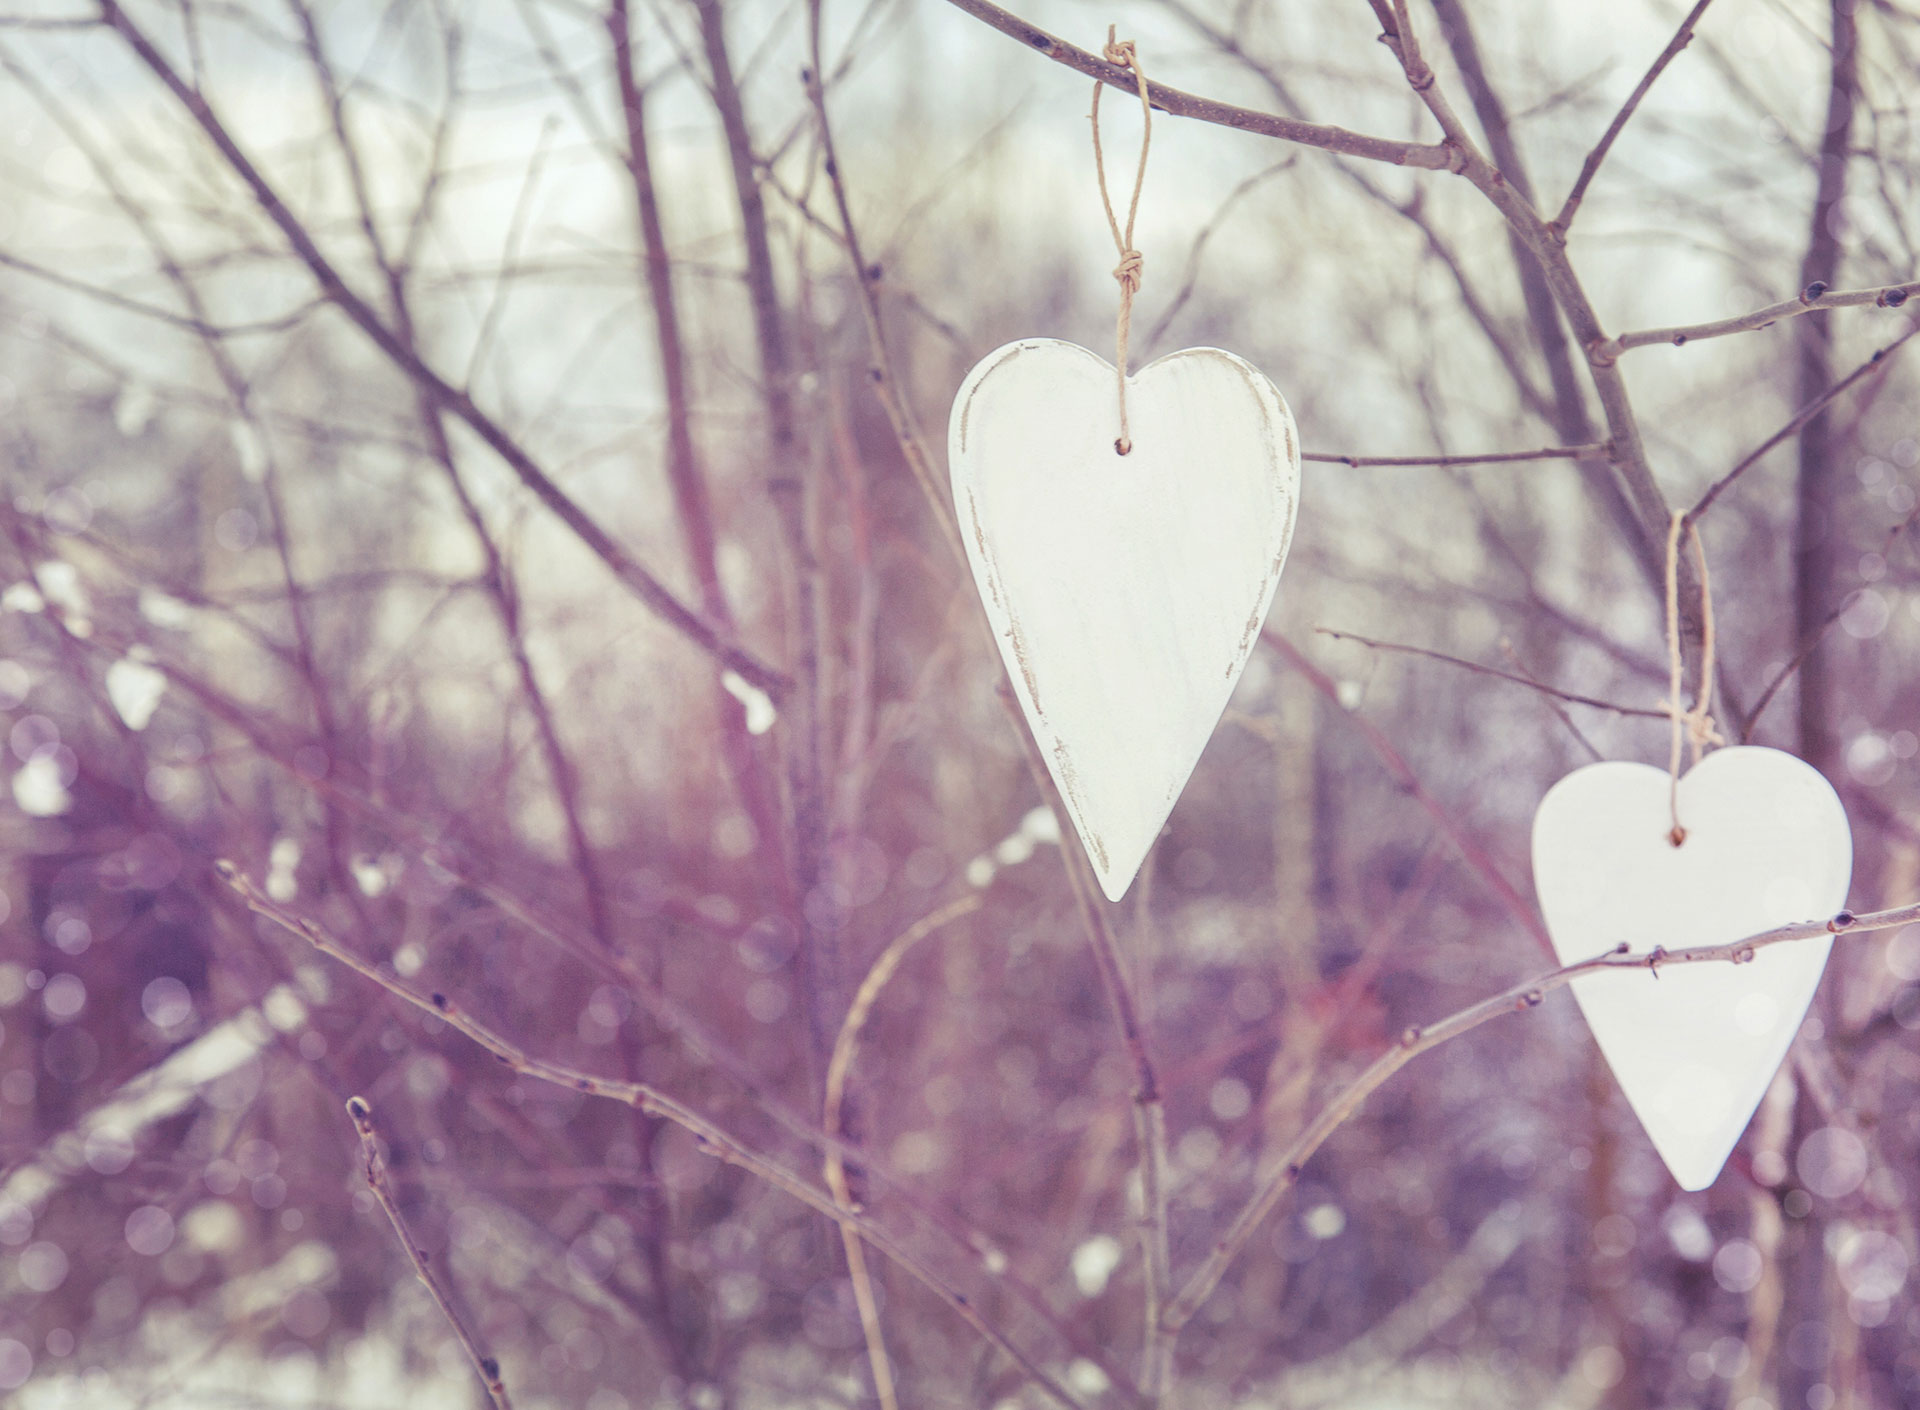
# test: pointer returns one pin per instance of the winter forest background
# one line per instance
(448, 480)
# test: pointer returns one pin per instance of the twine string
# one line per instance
(1131, 269)
(1693, 725)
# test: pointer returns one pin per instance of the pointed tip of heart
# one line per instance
(1695, 1179)
(1115, 879)
(1117, 859)
(1695, 1154)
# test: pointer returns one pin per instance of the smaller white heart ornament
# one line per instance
(1126, 591)
(1767, 844)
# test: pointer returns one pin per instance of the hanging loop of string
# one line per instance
(1130, 270)
(1694, 725)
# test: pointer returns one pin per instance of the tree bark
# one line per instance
(1816, 541)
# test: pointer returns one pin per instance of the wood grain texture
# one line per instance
(1125, 591)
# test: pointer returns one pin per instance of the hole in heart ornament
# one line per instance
(1125, 591)
(1693, 1046)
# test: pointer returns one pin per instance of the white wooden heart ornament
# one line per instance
(1125, 591)
(1693, 1046)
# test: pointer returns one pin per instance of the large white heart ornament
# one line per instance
(1125, 591)
(1693, 1046)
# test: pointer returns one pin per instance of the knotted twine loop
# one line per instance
(1696, 724)
(1131, 268)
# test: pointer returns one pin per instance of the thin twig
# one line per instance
(1787, 672)
(1400, 37)
(712, 1139)
(692, 500)
(1807, 648)
(845, 1046)
(1812, 299)
(281, 323)
(1800, 419)
(1533, 255)
(1506, 649)
(1599, 451)
(484, 1366)
(1516, 999)
(1569, 696)
(1681, 38)
(1471, 852)
(1190, 277)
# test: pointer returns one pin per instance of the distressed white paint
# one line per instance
(1693, 1046)
(1125, 591)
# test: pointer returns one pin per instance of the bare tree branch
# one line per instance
(1516, 999)
(1813, 299)
(1436, 157)
(1598, 451)
(1591, 166)
(1496, 673)
(1786, 672)
(484, 1366)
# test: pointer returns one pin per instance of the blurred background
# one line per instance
(446, 477)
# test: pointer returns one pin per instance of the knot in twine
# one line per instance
(1695, 725)
(1132, 267)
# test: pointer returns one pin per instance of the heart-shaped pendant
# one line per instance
(1766, 844)
(1125, 591)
